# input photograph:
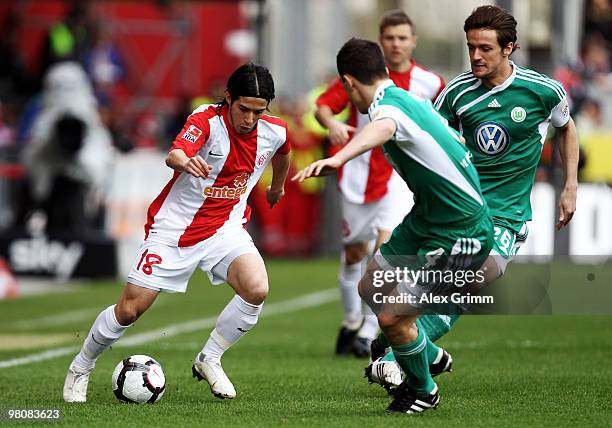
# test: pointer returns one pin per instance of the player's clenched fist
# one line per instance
(274, 196)
(339, 132)
(197, 167)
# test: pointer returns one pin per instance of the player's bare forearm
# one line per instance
(569, 150)
(280, 169)
(570, 153)
(178, 160)
(374, 134)
(338, 131)
(324, 115)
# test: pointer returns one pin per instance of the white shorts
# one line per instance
(361, 222)
(167, 268)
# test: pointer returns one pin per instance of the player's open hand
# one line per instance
(567, 206)
(339, 133)
(274, 196)
(197, 167)
(318, 169)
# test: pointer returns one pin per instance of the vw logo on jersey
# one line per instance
(492, 138)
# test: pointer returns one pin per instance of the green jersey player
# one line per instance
(450, 216)
(503, 111)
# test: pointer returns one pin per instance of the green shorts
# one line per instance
(414, 236)
(434, 262)
(508, 237)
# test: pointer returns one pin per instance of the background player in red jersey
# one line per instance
(373, 196)
(198, 221)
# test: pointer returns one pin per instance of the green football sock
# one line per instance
(388, 357)
(438, 325)
(431, 349)
(412, 358)
(432, 353)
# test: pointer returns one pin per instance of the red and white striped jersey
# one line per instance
(191, 209)
(365, 179)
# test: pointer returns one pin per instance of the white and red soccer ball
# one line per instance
(139, 379)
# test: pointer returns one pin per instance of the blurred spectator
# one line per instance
(595, 143)
(599, 20)
(70, 39)
(16, 82)
(572, 79)
(104, 62)
(147, 130)
(70, 153)
(175, 122)
(7, 132)
(110, 118)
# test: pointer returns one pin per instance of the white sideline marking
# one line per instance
(307, 301)
(65, 317)
(57, 319)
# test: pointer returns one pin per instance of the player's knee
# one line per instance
(412, 332)
(354, 254)
(256, 290)
(127, 312)
(365, 288)
(387, 321)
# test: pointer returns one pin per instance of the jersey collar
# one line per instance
(378, 94)
(508, 81)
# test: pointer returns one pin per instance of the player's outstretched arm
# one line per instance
(372, 135)
(338, 131)
(568, 147)
(196, 166)
(280, 168)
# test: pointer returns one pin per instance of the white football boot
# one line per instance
(213, 373)
(387, 374)
(75, 385)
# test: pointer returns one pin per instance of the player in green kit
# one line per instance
(503, 111)
(450, 217)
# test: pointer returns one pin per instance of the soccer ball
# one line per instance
(139, 379)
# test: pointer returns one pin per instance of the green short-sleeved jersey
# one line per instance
(429, 156)
(505, 128)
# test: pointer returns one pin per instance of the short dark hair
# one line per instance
(363, 60)
(395, 17)
(251, 80)
(494, 18)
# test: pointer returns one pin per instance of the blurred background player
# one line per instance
(198, 221)
(372, 194)
(503, 111)
(450, 216)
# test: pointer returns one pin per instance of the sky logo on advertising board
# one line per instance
(46, 256)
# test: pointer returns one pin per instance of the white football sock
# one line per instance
(235, 320)
(105, 331)
(369, 328)
(348, 279)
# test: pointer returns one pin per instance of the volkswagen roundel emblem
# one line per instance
(492, 138)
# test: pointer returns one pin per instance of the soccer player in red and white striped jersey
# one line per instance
(198, 221)
(374, 199)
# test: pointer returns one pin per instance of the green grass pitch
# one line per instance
(509, 370)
